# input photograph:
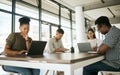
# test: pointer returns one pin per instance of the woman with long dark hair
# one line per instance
(92, 39)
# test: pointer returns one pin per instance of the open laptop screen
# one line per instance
(84, 47)
(36, 48)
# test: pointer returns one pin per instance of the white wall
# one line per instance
(117, 25)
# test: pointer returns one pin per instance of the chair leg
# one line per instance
(60, 73)
(109, 74)
(47, 72)
(18, 73)
(11, 74)
(57, 72)
(53, 72)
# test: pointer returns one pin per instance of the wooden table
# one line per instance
(66, 62)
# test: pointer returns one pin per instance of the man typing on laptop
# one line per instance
(110, 47)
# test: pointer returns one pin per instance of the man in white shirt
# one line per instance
(55, 44)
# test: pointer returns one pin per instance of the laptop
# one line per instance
(36, 48)
(84, 47)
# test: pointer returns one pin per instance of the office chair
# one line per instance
(11, 72)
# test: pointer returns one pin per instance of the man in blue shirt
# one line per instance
(110, 48)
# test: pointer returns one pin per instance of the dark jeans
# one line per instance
(99, 66)
(22, 71)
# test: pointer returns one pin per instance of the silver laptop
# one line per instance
(84, 47)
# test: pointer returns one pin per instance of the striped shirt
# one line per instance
(112, 39)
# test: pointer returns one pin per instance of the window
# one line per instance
(65, 22)
(66, 36)
(45, 32)
(74, 37)
(27, 10)
(5, 29)
(31, 12)
(73, 25)
(99, 35)
(65, 17)
(50, 12)
(34, 28)
(17, 24)
(50, 18)
(74, 33)
(6, 5)
(54, 30)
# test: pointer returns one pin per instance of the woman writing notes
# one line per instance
(17, 44)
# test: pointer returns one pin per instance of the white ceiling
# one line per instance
(95, 8)
(92, 8)
(74, 3)
(94, 14)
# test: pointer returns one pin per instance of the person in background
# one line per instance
(55, 44)
(93, 40)
(18, 44)
(110, 47)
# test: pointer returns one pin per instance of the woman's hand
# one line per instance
(26, 37)
(94, 48)
(22, 52)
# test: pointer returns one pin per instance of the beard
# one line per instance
(105, 32)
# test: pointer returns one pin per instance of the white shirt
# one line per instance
(95, 42)
(53, 44)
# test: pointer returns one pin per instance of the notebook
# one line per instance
(36, 48)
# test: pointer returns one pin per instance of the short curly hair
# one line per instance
(103, 20)
(24, 20)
